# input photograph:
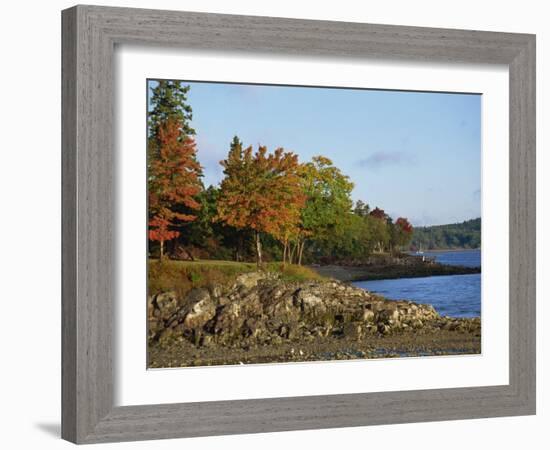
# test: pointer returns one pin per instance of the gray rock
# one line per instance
(197, 295)
(257, 310)
(166, 304)
(202, 309)
(251, 279)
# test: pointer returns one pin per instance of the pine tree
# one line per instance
(169, 101)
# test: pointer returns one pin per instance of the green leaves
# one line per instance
(328, 193)
(169, 101)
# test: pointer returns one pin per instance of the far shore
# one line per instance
(390, 271)
(449, 250)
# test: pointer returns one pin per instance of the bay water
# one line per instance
(450, 295)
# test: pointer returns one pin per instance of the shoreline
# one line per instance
(403, 345)
(261, 318)
(390, 271)
(444, 250)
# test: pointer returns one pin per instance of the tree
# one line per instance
(361, 209)
(328, 194)
(173, 183)
(289, 230)
(169, 101)
(259, 192)
(461, 235)
(379, 213)
(381, 232)
(403, 232)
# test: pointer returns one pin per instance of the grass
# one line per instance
(293, 272)
(182, 276)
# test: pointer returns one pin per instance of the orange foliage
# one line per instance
(261, 191)
(173, 182)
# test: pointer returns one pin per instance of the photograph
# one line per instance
(291, 224)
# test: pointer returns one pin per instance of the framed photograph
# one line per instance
(278, 224)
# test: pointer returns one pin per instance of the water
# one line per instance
(453, 295)
(469, 258)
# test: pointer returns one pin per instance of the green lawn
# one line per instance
(181, 276)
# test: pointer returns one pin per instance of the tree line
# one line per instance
(268, 206)
(458, 235)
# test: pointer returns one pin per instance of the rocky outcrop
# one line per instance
(260, 309)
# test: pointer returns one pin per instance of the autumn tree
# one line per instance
(379, 213)
(289, 227)
(328, 194)
(173, 183)
(403, 232)
(380, 230)
(259, 192)
(167, 100)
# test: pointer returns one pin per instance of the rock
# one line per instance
(388, 315)
(222, 301)
(310, 302)
(251, 279)
(202, 310)
(258, 309)
(353, 330)
(154, 327)
(368, 315)
(228, 322)
(216, 291)
(166, 336)
(197, 295)
(166, 303)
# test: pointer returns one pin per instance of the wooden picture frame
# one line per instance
(90, 34)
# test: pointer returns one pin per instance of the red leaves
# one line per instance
(261, 191)
(159, 231)
(403, 224)
(378, 213)
(173, 181)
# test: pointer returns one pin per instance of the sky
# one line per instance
(413, 154)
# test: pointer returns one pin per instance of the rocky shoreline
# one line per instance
(388, 267)
(261, 318)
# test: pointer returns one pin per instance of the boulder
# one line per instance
(166, 304)
(368, 315)
(202, 309)
(259, 309)
(310, 302)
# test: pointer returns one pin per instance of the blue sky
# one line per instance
(413, 154)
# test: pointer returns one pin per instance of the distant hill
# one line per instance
(457, 235)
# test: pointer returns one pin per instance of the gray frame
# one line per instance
(89, 36)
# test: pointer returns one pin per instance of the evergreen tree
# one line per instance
(169, 101)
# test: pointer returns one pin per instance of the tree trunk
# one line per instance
(302, 245)
(285, 246)
(161, 250)
(258, 249)
(291, 254)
